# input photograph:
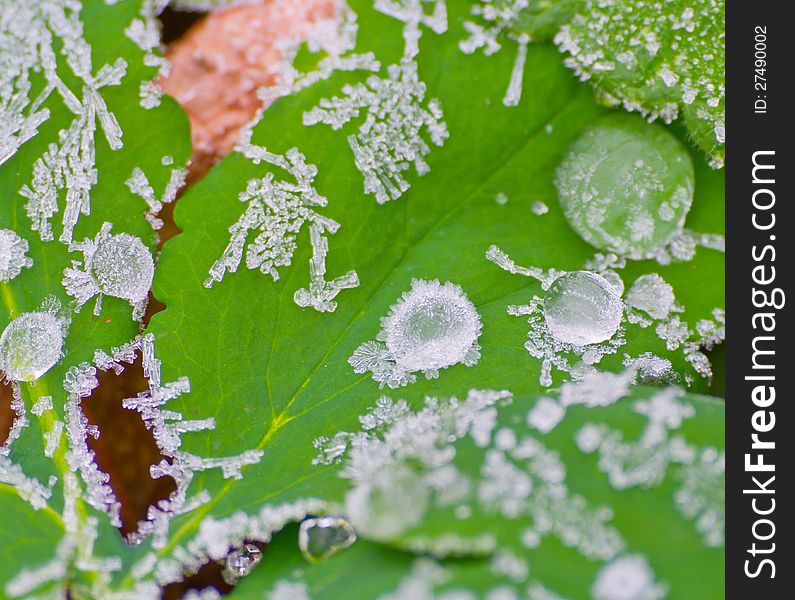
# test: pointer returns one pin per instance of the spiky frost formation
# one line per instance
(32, 34)
(432, 326)
(139, 185)
(33, 343)
(117, 265)
(626, 186)
(389, 140)
(278, 209)
(240, 563)
(655, 58)
(13, 257)
(653, 295)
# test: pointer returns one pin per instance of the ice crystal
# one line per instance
(432, 326)
(139, 185)
(13, 257)
(652, 369)
(659, 60)
(31, 490)
(627, 578)
(118, 265)
(33, 343)
(322, 537)
(167, 427)
(278, 209)
(287, 590)
(389, 140)
(653, 295)
(144, 32)
(32, 34)
(241, 562)
(539, 208)
(701, 496)
(499, 20)
(626, 186)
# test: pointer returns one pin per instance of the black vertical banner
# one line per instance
(760, 254)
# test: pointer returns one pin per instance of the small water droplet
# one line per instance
(323, 537)
(582, 308)
(240, 562)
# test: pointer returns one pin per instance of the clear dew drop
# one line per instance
(123, 267)
(626, 186)
(582, 308)
(31, 345)
(323, 537)
(240, 562)
(432, 327)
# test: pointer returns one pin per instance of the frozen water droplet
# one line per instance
(653, 295)
(433, 326)
(626, 186)
(31, 345)
(12, 255)
(323, 537)
(123, 267)
(240, 562)
(582, 308)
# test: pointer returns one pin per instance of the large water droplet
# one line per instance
(123, 267)
(240, 562)
(582, 308)
(323, 537)
(31, 345)
(433, 326)
(626, 186)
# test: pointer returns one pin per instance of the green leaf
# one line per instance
(275, 376)
(31, 537)
(568, 557)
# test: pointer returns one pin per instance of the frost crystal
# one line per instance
(431, 327)
(539, 208)
(627, 578)
(12, 255)
(139, 185)
(278, 210)
(114, 265)
(167, 426)
(33, 343)
(389, 140)
(653, 295)
(323, 537)
(499, 19)
(701, 496)
(32, 34)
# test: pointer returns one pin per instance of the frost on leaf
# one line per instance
(13, 256)
(167, 426)
(646, 461)
(390, 139)
(432, 326)
(144, 32)
(626, 186)
(117, 265)
(139, 185)
(402, 467)
(32, 35)
(33, 343)
(658, 59)
(277, 210)
(241, 562)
